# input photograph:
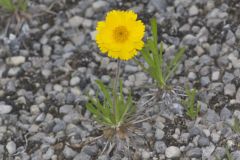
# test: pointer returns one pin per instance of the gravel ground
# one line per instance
(50, 63)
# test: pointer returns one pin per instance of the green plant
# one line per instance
(114, 111)
(10, 6)
(189, 103)
(157, 68)
(228, 154)
(236, 125)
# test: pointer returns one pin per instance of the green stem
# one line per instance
(115, 83)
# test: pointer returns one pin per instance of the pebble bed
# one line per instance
(51, 64)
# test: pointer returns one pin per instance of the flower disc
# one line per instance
(120, 35)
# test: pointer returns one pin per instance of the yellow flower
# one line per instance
(120, 35)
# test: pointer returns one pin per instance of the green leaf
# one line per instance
(171, 68)
(153, 22)
(7, 4)
(22, 5)
(105, 91)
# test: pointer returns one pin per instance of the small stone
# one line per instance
(87, 23)
(236, 155)
(194, 131)
(215, 50)
(146, 155)
(5, 109)
(230, 89)
(203, 141)
(99, 5)
(207, 151)
(58, 87)
(192, 76)
(227, 77)
(160, 147)
(194, 153)
(159, 134)
(215, 75)
(219, 152)
(90, 150)
(230, 39)
(225, 114)
(11, 147)
(130, 69)
(46, 50)
(211, 117)
(215, 137)
(40, 118)
(103, 157)
(205, 70)
(205, 81)
(172, 152)
(160, 5)
(66, 109)
(75, 21)
(189, 40)
(68, 152)
(193, 11)
(74, 81)
(48, 154)
(16, 60)
(105, 78)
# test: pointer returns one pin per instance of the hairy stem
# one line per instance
(115, 83)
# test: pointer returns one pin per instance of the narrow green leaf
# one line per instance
(171, 68)
(153, 22)
(7, 4)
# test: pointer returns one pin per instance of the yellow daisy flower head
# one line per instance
(120, 35)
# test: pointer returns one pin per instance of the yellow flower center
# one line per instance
(120, 34)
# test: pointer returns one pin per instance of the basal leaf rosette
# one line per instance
(120, 35)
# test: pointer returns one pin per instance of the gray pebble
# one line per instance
(192, 76)
(194, 153)
(227, 77)
(82, 156)
(90, 150)
(99, 5)
(172, 152)
(48, 154)
(230, 89)
(219, 152)
(211, 117)
(215, 137)
(230, 39)
(189, 40)
(68, 152)
(74, 81)
(215, 50)
(5, 109)
(46, 49)
(215, 75)
(160, 147)
(160, 5)
(75, 21)
(103, 157)
(11, 147)
(203, 141)
(159, 134)
(16, 60)
(40, 117)
(205, 81)
(193, 10)
(225, 114)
